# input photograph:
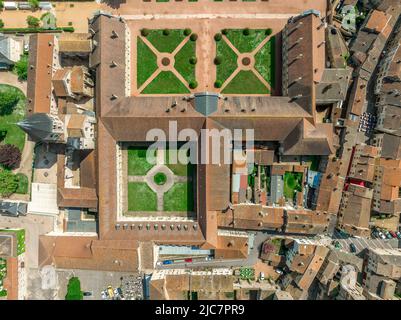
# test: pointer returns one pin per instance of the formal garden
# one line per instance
(166, 61)
(12, 140)
(245, 61)
(156, 184)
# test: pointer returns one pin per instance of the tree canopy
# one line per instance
(8, 183)
(8, 101)
(10, 156)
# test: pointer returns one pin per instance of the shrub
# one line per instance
(21, 67)
(194, 37)
(1, 4)
(218, 84)
(70, 23)
(193, 60)
(193, 84)
(144, 32)
(246, 32)
(34, 3)
(187, 32)
(1, 24)
(8, 101)
(224, 31)
(8, 183)
(218, 60)
(269, 32)
(10, 156)
(67, 29)
(217, 37)
(32, 21)
(166, 32)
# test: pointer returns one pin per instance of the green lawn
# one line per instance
(141, 197)
(20, 233)
(179, 169)
(137, 163)
(246, 43)
(74, 289)
(265, 61)
(292, 183)
(165, 83)
(182, 64)
(229, 61)
(10, 133)
(22, 184)
(146, 62)
(245, 82)
(165, 43)
(179, 197)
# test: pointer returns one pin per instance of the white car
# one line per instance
(103, 294)
(208, 258)
(279, 271)
(159, 263)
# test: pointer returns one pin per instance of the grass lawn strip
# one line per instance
(179, 197)
(265, 61)
(246, 43)
(246, 82)
(165, 83)
(10, 133)
(146, 62)
(137, 163)
(22, 184)
(182, 64)
(141, 197)
(165, 43)
(229, 61)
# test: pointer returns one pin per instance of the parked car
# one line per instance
(393, 234)
(104, 295)
(120, 292)
(208, 258)
(110, 291)
(352, 247)
(24, 6)
(87, 293)
(159, 263)
(262, 276)
(188, 260)
(398, 234)
(279, 271)
(381, 235)
(167, 261)
(388, 235)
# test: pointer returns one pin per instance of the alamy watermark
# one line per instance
(212, 146)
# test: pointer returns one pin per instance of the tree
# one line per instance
(187, 32)
(74, 289)
(10, 156)
(217, 60)
(193, 37)
(8, 183)
(166, 32)
(218, 84)
(193, 60)
(32, 22)
(246, 32)
(8, 101)
(217, 37)
(34, 3)
(193, 84)
(144, 32)
(1, 23)
(1, 4)
(21, 67)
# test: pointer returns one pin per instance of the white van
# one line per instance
(45, 6)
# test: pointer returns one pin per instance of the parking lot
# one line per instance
(361, 244)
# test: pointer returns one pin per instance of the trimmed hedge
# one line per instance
(193, 60)
(194, 37)
(36, 30)
(269, 32)
(166, 32)
(224, 31)
(187, 31)
(145, 32)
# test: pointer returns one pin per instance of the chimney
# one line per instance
(114, 34)
(113, 64)
(114, 97)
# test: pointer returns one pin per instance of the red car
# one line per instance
(393, 234)
(188, 260)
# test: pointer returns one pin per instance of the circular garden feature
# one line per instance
(246, 61)
(165, 61)
(160, 178)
